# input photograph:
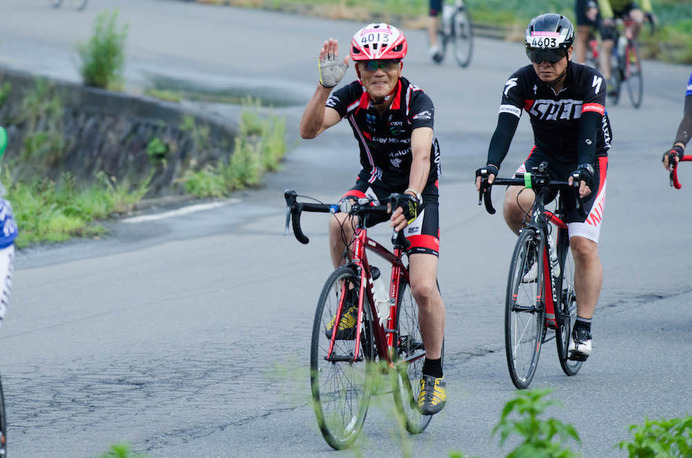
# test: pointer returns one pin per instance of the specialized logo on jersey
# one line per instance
(597, 80)
(554, 110)
(510, 84)
(332, 101)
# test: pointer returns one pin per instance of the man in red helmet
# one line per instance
(392, 121)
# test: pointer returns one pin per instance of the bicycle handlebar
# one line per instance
(361, 207)
(674, 182)
(536, 181)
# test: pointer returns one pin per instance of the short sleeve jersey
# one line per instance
(555, 117)
(385, 140)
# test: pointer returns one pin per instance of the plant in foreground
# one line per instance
(660, 438)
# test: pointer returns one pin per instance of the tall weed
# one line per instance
(103, 56)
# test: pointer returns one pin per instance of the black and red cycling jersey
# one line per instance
(385, 139)
(571, 126)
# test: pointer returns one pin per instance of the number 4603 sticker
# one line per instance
(544, 43)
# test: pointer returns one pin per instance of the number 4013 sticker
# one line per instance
(371, 37)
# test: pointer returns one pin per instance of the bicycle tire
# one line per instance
(567, 316)
(340, 389)
(524, 310)
(82, 4)
(633, 72)
(408, 345)
(462, 36)
(55, 3)
(617, 77)
(3, 424)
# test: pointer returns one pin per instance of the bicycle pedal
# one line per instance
(574, 356)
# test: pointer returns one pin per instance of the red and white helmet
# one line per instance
(378, 42)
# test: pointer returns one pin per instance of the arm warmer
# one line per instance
(589, 123)
(685, 130)
(504, 132)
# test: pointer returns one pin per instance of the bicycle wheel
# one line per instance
(3, 425)
(462, 36)
(55, 3)
(81, 4)
(633, 74)
(410, 355)
(567, 316)
(341, 385)
(524, 311)
(618, 75)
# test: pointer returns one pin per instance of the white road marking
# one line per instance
(178, 212)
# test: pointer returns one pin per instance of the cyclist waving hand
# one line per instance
(566, 105)
(392, 121)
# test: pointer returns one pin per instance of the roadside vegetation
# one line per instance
(103, 56)
(671, 42)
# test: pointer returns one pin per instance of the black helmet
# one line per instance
(548, 37)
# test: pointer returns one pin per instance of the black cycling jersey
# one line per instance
(571, 126)
(385, 140)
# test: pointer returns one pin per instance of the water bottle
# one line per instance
(381, 299)
(553, 257)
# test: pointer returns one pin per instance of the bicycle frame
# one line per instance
(383, 335)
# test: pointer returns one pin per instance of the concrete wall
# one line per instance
(86, 130)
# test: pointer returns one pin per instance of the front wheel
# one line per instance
(341, 381)
(3, 425)
(409, 357)
(524, 310)
(567, 316)
(462, 36)
(633, 74)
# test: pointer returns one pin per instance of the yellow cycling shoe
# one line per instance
(433, 395)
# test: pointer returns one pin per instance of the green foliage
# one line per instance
(5, 90)
(121, 451)
(541, 438)
(164, 94)
(53, 212)
(259, 147)
(103, 56)
(157, 149)
(200, 133)
(42, 111)
(665, 438)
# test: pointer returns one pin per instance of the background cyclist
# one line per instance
(8, 233)
(434, 12)
(392, 120)
(586, 12)
(609, 11)
(684, 130)
(566, 105)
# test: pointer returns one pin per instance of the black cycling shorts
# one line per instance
(424, 231)
(435, 7)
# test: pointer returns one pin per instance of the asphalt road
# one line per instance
(188, 335)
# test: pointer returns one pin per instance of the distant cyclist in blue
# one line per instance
(684, 131)
(8, 232)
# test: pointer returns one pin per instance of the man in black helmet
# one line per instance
(565, 102)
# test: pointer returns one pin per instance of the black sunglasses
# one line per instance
(386, 65)
(549, 55)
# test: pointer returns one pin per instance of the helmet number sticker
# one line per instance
(543, 43)
(374, 38)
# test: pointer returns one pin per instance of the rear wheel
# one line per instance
(409, 358)
(341, 381)
(462, 36)
(633, 72)
(524, 310)
(567, 316)
(618, 75)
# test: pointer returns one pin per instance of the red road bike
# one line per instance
(540, 304)
(342, 368)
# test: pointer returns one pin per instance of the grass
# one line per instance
(103, 56)
(51, 212)
(259, 147)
